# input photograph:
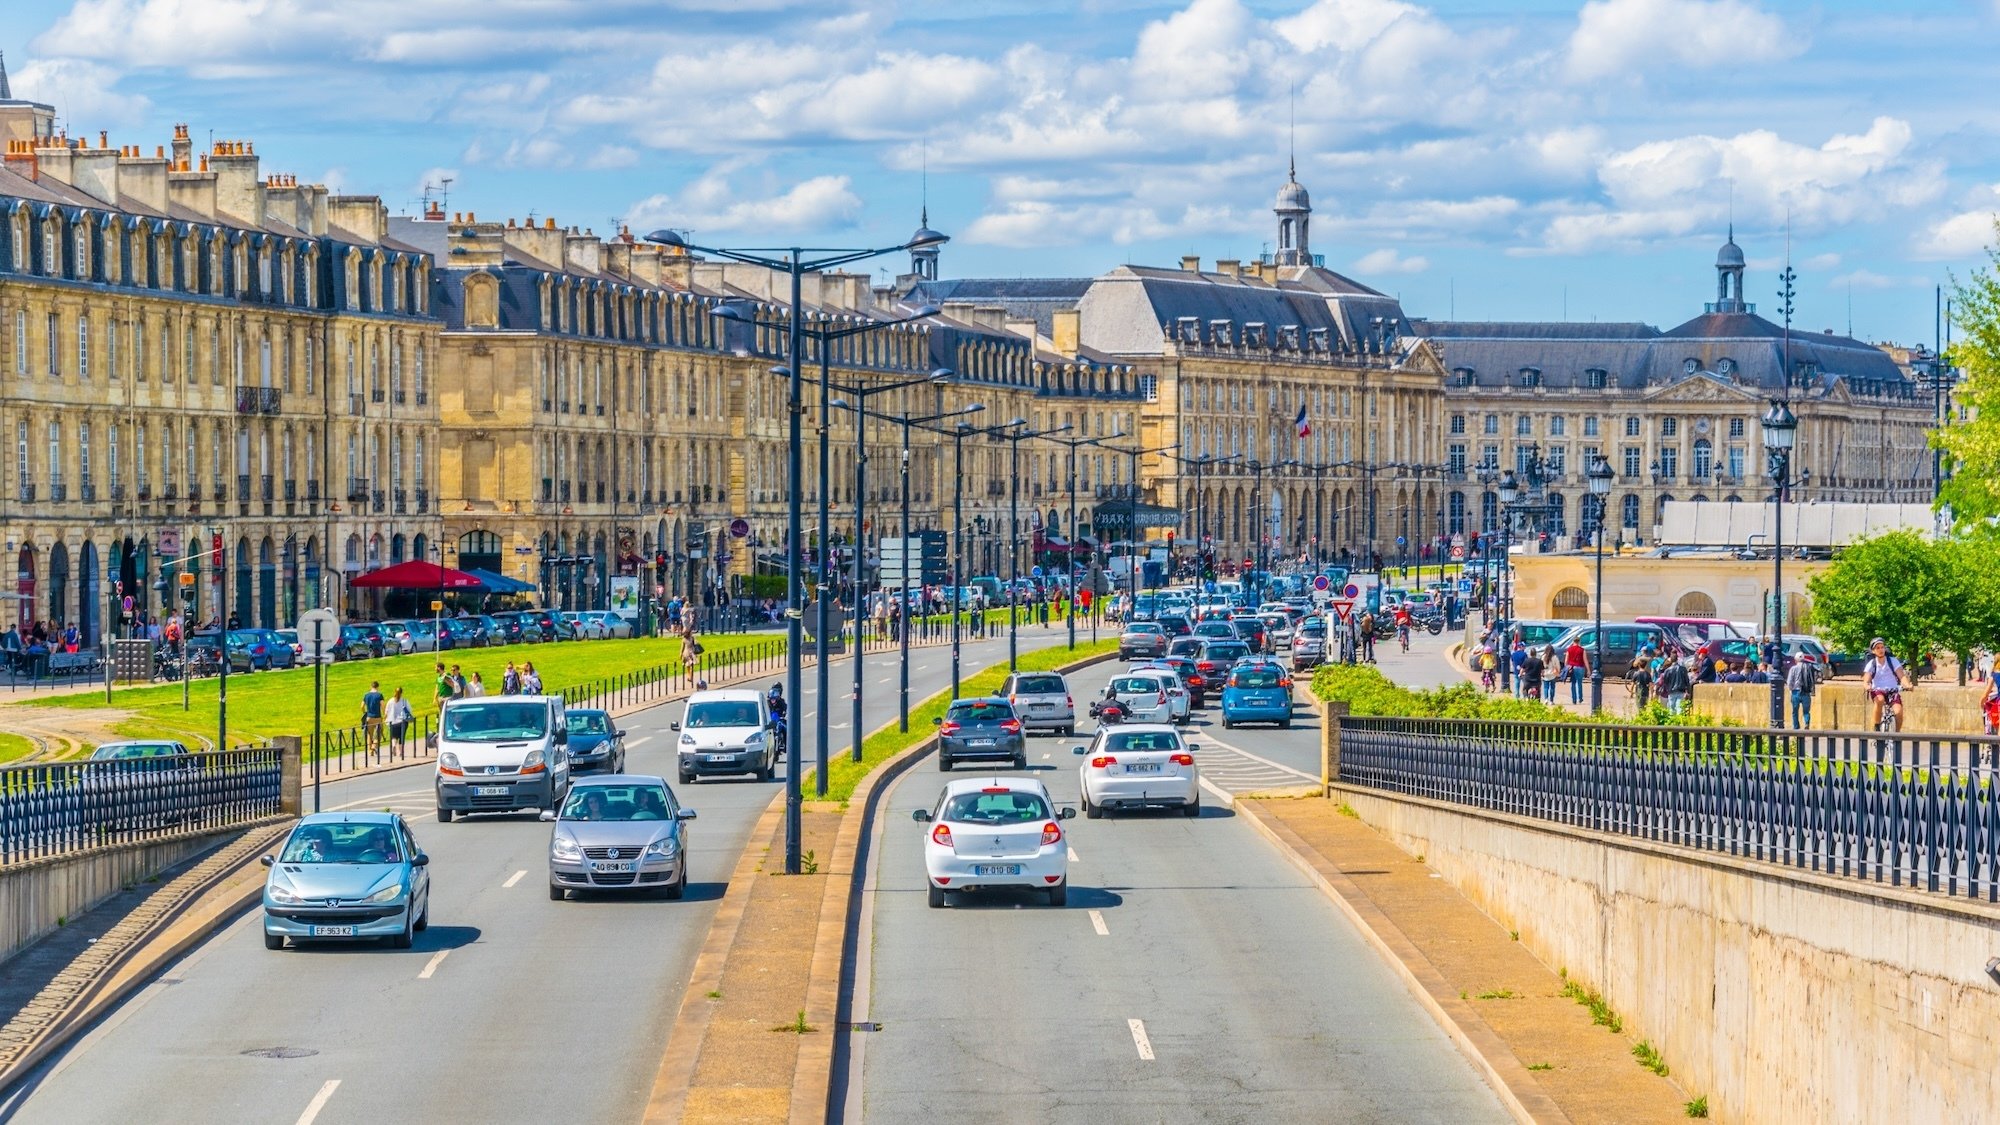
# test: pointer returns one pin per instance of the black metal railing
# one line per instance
(65, 807)
(1917, 811)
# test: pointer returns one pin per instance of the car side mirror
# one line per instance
(673, 726)
(1066, 814)
(921, 816)
(1190, 747)
(268, 861)
(684, 814)
(548, 814)
(422, 859)
(1079, 751)
(618, 734)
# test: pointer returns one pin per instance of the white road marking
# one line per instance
(513, 879)
(1139, 1040)
(1097, 923)
(378, 801)
(1072, 855)
(1262, 761)
(1045, 757)
(432, 965)
(639, 741)
(1227, 800)
(319, 1101)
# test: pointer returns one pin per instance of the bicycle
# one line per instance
(1403, 635)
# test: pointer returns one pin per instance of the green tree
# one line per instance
(1902, 587)
(1972, 447)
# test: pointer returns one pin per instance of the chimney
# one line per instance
(360, 215)
(1066, 333)
(21, 159)
(582, 253)
(183, 149)
(1229, 267)
(194, 190)
(143, 179)
(1024, 327)
(239, 194)
(474, 244)
(642, 263)
(1191, 263)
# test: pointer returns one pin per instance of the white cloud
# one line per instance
(1388, 260)
(1614, 38)
(82, 92)
(1967, 234)
(1869, 279)
(1820, 263)
(711, 203)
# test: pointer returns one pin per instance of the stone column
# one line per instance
(1329, 743)
(290, 773)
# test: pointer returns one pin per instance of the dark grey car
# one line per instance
(984, 729)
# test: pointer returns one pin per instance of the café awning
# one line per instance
(417, 574)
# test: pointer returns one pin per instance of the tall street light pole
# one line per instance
(1132, 523)
(959, 432)
(1781, 432)
(1600, 475)
(794, 263)
(1016, 436)
(1069, 553)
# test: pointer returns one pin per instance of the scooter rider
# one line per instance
(775, 703)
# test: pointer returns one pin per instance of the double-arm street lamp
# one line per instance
(903, 586)
(1069, 552)
(1132, 524)
(1200, 511)
(1262, 527)
(794, 262)
(1600, 475)
(1781, 433)
(1016, 433)
(959, 432)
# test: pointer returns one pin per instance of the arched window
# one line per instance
(1629, 511)
(1694, 603)
(1704, 458)
(1571, 603)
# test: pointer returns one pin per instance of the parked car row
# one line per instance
(258, 650)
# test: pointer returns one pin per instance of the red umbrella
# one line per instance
(417, 574)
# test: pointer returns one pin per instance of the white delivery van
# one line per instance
(726, 731)
(501, 753)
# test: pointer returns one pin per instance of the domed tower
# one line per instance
(1729, 277)
(924, 259)
(1294, 211)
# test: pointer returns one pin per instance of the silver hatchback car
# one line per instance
(347, 876)
(1042, 700)
(622, 832)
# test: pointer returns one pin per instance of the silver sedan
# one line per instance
(620, 832)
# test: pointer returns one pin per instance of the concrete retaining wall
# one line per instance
(1933, 705)
(35, 894)
(1780, 995)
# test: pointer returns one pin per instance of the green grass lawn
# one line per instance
(13, 746)
(266, 704)
(843, 773)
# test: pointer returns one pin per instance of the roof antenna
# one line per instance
(924, 183)
(1292, 139)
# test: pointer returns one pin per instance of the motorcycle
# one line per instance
(1109, 712)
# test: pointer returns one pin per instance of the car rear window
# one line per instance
(1040, 685)
(1143, 627)
(1132, 685)
(1142, 740)
(979, 711)
(1232, 651)
(1255, 678)
(1005, 806)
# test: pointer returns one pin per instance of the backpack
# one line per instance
(1674, 679)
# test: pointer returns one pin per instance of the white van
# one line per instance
(726, 730)
(501, 753)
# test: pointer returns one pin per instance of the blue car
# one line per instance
(1257, 691)
(596, 744)
(347, 876)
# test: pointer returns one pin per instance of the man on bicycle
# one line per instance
(1403, 625)
(1884, 676)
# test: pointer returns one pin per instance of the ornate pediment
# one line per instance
(1702, 388)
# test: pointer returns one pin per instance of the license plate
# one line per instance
(1143, 767)
(997, 869)
(607, 867)
(717, 757)
(1041, 706)
(333, 931)
(489, 791)
(979, 742)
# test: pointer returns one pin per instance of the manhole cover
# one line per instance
(281, 1052)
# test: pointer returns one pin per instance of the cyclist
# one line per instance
(1883, 674)
(1403, 625)
(775, 703)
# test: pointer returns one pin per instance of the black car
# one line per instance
(1250, 630)
(1215, 660)
(983, 730)
(1175, 625)
(596, 744)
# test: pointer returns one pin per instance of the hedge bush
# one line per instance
(1367, 692)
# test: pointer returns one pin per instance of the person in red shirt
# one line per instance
(1576, 663)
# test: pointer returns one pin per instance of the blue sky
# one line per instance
(1475, 158)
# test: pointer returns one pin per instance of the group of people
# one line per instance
(393, 715)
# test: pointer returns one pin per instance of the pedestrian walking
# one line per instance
(1368, 637)
(1675, 686)
(371, 718)
(510, 680)
(400, 716)
(1575, 662)
(458, 685)
(1528, 676)
(1551, 672)
(531, 680)
(446, 688)
(1516, 658)
(475, 687)
(1640, 673)
(690, 649)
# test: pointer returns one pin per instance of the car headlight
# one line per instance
(687, 740)
(283, 894)
(566, 849)
(532, 762)
(448, 762)
(390, 893)
(663, 848)
(756, 739)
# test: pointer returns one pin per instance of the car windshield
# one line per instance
(1255, 678)
(1133, 685)
(589, 722)
(978, 711)
(136, 750)
(1040, 685)
(995, 806)
(496, 722)
(372, 842)
(1143, 627)
(1141, 740)
(617, 802)
(721, 713)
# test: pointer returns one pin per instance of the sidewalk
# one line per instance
(1506, 1009)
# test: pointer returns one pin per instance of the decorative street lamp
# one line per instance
(1600, 475)
(1781, 432)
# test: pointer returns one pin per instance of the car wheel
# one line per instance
(1090, 811)
(936, 895)
(944, 761)
(686, 778)
(445, 815)
(1192, 808)
(1059, 895)
(1021, 760)
(679, 886)
(1226, 724)
(274, 941)
(765, 769)
(1284, 724)
(424, 919)
(557, 893)
(405, 939)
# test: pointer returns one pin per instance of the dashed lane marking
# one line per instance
(513, 879)
(1097, 923)
(1072, 855)
(1139, 1040)
(432, 965)
(319, 1101)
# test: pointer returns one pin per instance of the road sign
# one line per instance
(1351, 591)
(1458, 551)
(1320, 583)
(318, 631)
(739, 528)
(1344, 609)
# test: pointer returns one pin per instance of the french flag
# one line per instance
(1300, 424)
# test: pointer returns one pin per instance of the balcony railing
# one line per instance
(423, 398)
(423, 506)
(58, 492)
(242, 487)
(357, 489)
(27, 494)
(402, 502)
(87, 492)
(375, 395)
(169, 491)
(398, 398)
(117, 493)
(145, 491)
(267, 486)
(548, 489)
(291, 490)
(379, 501)
(259, 400)
(312, 490)
(564, 492)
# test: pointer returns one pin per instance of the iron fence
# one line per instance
(66, 807)
(1917, 811)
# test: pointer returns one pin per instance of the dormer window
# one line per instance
(1316, 340)
(1725, 366)
(82, 252)
(1691, 365)
(1220, 333)
(1596, 378)
(1190, 329)
(1531, 376)
(50, 262)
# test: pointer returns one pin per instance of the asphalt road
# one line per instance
(510, 1008)
(1194, 975)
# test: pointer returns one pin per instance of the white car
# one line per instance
(615, 624)
(1177, 692)
(995, 832)
(1144, 696)
(1143, 766)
